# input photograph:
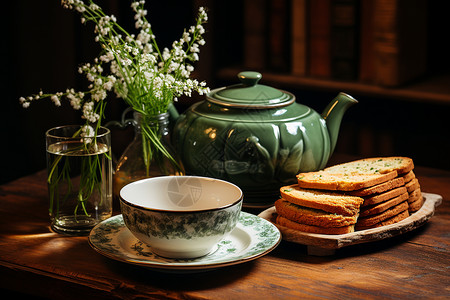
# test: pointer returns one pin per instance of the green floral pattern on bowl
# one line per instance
(181, 225)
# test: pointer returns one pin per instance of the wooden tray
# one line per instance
(325, 244)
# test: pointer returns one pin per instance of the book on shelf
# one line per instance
(380, 42)
(255, 31)
(299, 37)
(319, 38)
(399, 41)
(344, 39)
(279, 36)
(366, 68)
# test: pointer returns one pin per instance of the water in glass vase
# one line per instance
(79, 185)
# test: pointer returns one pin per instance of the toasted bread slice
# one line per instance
(332, 202)
(383, 206)
(342, 181)
(408, 176)
(379, 188)
(416, 205)
(377, 218)
(378, 198)
(375, 165)
(412, 185)
(313, 229)
(415, 195)
(311, 216)
(397, 218)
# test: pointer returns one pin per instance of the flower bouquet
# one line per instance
(133, 67)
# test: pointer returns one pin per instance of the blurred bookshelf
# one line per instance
(392, 49)
(432, 89)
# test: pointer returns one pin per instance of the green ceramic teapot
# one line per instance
(256, 136)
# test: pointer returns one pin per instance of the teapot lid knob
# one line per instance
(250, 94)
(249, 78)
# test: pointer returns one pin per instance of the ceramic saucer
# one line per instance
(252, 238)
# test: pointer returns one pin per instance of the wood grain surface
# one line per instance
(35, 261)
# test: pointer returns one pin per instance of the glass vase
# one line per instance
(79, 169)
(150, 154)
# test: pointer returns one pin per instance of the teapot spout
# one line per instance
(333, 114)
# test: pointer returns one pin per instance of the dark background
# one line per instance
(43, 48)
(44, 44)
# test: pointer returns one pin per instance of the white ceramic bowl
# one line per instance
(181, 216)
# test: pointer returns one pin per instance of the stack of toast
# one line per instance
(316, 211)
(357, 195)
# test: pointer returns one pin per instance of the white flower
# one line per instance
(25, 103)
(90, 77)
(108, 85)
(148, 58)
(143, 37)
(134, 5)
(166, 54)
(94, 6)
(109, 56)
(186, 37)
(195, 48)
(202, 14)
(88, 112)
(99, 95)
(75, 99)
(132, 65)
(148, 76)
(87, 132)
(200, 29)
(55, 100)
(81, 9)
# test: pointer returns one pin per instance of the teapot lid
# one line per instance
(250, 94)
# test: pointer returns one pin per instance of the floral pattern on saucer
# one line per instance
(253, 237)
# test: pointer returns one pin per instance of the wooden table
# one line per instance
(36, 261)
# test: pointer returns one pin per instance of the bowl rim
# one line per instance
(239, 199)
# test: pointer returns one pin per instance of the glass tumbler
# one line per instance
(79, 169)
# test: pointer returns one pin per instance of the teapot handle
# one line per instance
(122, 125)
(123, 122)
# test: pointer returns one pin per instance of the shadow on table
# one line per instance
(297, 252)
(190, 280)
